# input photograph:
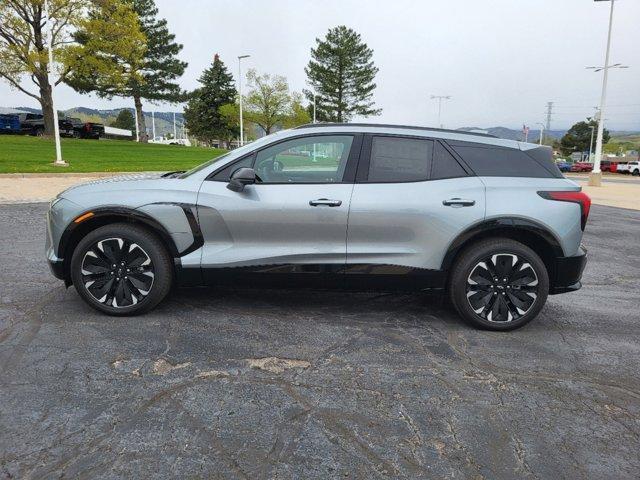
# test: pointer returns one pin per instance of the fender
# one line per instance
(102, 216)
(501, 225)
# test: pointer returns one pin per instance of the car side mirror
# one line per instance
(241, 177)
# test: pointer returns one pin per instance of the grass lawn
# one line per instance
(25, 154)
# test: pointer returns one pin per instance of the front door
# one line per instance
(293, 220)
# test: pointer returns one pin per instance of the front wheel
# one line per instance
(498, 284)
(121, 269)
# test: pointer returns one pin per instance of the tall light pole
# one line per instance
(153, 124)
(56, 128)
(595, 177)
(314, 108)
(240, 57)
(175, 132)
(541, 132)
(592, 127)
(135, 116)
(440, 98)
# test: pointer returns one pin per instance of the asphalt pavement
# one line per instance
(302, 384)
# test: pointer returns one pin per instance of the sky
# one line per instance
(501, 61)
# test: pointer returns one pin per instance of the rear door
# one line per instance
(292, 221)
(411, 199)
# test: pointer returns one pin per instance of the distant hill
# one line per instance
(163, 120)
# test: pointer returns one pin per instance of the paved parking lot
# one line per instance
(283, 384)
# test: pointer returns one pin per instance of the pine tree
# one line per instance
(202, 114)
(162, 67)
(154, 78)
(341, 72)
(125, 120)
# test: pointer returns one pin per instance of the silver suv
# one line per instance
(492, 222)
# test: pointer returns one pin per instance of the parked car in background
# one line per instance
(563, 165)
(491, 222)
(630, 167)
(33, 124)
(608, 166)
(89, 130)
(9, 123)
(581, 167)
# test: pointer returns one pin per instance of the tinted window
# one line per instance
(445, 165)
(224, 175)
(399, 159)
(320, 159)
(495, 161)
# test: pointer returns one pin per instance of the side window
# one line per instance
(445, 165)
(320, 159)
(495, 161)
(396, 159)
(224, 175)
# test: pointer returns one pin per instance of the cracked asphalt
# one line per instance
(292, 385)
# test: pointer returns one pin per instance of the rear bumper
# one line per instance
(568, 273)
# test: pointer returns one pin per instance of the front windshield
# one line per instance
(237, 153)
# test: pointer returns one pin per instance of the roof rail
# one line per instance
(384, 125)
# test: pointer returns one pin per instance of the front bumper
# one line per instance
(567, 273)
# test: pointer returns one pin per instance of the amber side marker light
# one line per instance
(82, 218)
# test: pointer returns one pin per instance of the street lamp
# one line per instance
(56, 128)
(440, 98)
(595, 177)
(240, 57)
(592, 127)
(541, 132)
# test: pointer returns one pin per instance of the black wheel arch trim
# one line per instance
(136, 216)
(513, 224)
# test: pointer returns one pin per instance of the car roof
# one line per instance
(416, 131)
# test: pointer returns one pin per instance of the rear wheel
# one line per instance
(636, 172)
(121, 269)
(499, 284)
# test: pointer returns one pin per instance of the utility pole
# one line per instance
(440, 98)
(56, 128)
(549, 113)
(153, 124)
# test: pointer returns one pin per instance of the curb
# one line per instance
(71, 174)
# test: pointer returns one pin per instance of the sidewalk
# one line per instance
(42, 187)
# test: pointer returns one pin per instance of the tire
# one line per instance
(146, 282)
(636, 172)
(39, 132)
(498, 305)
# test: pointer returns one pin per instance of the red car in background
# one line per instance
(582, 167)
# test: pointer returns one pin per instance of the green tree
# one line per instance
(269, 103)
(578, 138)
(152, 77)
(341, 72)
(125, 120)
(24, 51)
(203, 116)
(110, 49)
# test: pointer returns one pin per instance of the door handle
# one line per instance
(458, 202)
(326, 202)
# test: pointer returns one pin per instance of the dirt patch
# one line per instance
(162, 367)
(277, 365)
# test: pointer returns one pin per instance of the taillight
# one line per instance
(580, 198)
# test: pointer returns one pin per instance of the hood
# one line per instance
(133, 177)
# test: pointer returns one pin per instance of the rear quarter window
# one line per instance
(496, 161)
